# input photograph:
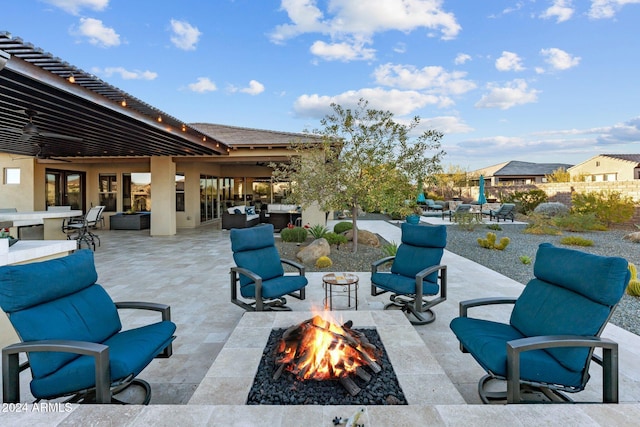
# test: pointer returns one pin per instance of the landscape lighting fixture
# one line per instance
(71, 78)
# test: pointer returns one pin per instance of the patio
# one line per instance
(190, 271)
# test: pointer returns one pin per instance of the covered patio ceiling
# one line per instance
(85, 118)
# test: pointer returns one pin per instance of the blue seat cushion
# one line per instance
(402, 284)
(487, 341)
(265, 262)
(410, 260)
(248, 239)
(87, 315)
(276, 287)
(129, 353)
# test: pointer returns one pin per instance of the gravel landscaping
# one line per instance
(507, 261)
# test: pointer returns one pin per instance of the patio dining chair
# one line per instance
(554, 327)
(71, 332)
(80, 229)
(259, 271)
(417, 281)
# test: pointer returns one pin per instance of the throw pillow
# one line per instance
(250, 210)
(237, 211)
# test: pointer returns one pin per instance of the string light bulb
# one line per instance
(159, 119)
(71, 78)
(123, 103)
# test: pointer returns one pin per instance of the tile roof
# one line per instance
(235, 136)
(517, 168)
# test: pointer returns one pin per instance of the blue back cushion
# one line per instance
(23, 286)
(87, 315)
(422, 246)
(254, 249)
(573, 293)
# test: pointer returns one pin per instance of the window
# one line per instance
(12, 175)
(108, 188)
(597, 164)
(180, 192)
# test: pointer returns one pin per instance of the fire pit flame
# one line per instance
(322, 350)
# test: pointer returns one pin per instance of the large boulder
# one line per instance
(309, 254)
(364, 238)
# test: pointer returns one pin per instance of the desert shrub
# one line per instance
(578, 222)
(490, 242)
(342, 226)
(295, 234)
(525, 259)
(526, 201)
(576, 241)
(324, 262)
(540, 225)
(318, 231)
(467, 221)
(495, 227)
(551, 209)
(608, 206)
(335, 239)
(390, 249)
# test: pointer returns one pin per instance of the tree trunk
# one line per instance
(354, 221)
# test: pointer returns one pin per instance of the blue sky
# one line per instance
(529, 80)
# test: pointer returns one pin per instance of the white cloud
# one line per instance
(601, 9)
(461, 58)
(202, 85)
(341, 51)
(510, 95)
(432, 79)
(398, 102)
(559, 59)
(445, 124)
(562, 10)
(185, 36)
(509, 61)
(126, 74)
(73, 6)
(354, 22)
(97, 33)
(255, 88)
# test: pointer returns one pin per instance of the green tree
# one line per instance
(451, 180)
(365, 160)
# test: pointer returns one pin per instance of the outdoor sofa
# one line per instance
(240, 216)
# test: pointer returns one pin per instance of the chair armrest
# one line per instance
(250, 274)
(10, 365)
(378, 263)
(609, 361)
(141, 305)
(466, 305)
(429, 270)
(294, 264)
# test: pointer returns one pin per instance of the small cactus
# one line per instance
(324, 262)
(490, 242)
(633, 288)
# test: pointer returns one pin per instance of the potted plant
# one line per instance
(410, 211)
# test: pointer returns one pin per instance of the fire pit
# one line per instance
(320, 362)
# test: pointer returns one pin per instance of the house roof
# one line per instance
(235, 136)
(517, 168)
(628, 157)
(83, 118)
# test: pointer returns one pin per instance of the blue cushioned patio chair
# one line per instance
(72, 335)
(461, 209)
(555, 325)
(432, 206)
(259, 271)
(417, 280)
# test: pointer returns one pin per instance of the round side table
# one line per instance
(347, 281)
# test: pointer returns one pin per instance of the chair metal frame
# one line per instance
(104, 389)
(554, 392)
(416, 303)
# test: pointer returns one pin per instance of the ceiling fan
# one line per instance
(30, 130)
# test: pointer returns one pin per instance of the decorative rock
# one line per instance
(634, 237)
(309, 254)
(364, 238)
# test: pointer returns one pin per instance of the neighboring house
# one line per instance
(608, 167)
(518, 173)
